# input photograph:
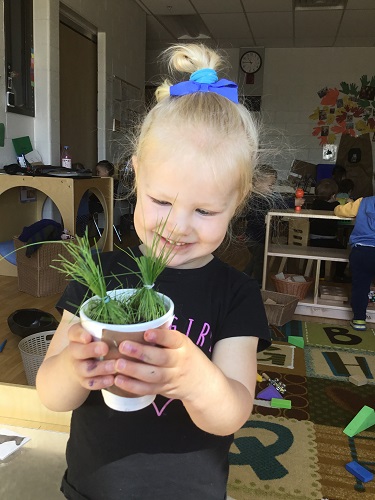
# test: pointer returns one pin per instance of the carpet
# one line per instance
(300, 453)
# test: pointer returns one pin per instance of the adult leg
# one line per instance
(362, 265)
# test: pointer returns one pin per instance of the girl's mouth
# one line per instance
(174, 243)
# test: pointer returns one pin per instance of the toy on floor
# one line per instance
(269, 393)
(297, 341)
(364, 419)
(359, 472)
(358, 380)
(279, 386)
(281, 403)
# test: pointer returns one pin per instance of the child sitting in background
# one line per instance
(104, 168)
(338, 174)
(261, 202)
(345, 188)
(323, 232)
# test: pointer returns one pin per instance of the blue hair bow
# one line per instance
(223, 87)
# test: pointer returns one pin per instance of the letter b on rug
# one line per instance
(333, 333)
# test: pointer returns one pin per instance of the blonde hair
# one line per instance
(228, 136)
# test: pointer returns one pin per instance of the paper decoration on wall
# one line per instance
(329, 152)
(350, 110)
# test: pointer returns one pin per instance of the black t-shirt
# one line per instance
(159, 453)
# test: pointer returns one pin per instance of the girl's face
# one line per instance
(198, 205)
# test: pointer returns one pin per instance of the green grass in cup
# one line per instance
(144, 305)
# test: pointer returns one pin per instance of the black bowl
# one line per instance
(25, 322)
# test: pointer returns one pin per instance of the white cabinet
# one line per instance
(311, 305)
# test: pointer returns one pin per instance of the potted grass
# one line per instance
(120, 314)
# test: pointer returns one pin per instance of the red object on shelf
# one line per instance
(300, 193)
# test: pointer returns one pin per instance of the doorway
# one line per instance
(78, 92)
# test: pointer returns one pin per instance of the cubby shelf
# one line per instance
(310, 306)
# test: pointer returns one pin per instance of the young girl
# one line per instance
(193, 163)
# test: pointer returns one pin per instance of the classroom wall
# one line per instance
(121, 28)
(291, 79)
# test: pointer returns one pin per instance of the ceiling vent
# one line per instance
(320, 4)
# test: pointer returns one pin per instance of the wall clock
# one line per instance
(251, 62)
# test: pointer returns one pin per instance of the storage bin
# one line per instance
(292, 287)
(35, 276)
(280, 313)
(33, 350)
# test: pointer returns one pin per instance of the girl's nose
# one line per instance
(178, 223)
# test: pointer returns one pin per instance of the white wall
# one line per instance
(291, 79)
(121, 28)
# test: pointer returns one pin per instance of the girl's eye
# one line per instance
(160, 202)
(204, 212)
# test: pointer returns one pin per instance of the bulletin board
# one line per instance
(127, 104)
(127, 107)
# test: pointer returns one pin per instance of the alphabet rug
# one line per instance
(300, 453)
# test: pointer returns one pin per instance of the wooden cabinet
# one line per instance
(311, 305)
(66, 193)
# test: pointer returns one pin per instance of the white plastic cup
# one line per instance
(113, 335)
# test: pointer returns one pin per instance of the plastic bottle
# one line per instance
(66, 159)
(299, 194)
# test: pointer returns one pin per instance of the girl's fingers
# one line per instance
(90, 350)
(136, 387)
(78, 334)
(97, 383)
(95, 374)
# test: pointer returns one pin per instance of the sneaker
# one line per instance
(358, 324)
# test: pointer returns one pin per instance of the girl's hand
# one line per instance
(172, 367)
(91, 372)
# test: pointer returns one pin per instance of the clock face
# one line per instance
(251, 62)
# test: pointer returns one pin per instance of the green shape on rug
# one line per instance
(281, 403)
(297, 341)
(364, 419)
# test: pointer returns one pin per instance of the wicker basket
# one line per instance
(282, 312)
(292, 287)
(35, 276)
(33, 350)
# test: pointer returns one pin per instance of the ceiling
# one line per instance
(261, 23)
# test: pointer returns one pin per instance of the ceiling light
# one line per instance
(319, 4)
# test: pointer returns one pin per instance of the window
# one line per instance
(19, 56)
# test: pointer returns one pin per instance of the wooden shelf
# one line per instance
(312, 305)
(66, 193)
(310, 253)
(311, 214)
